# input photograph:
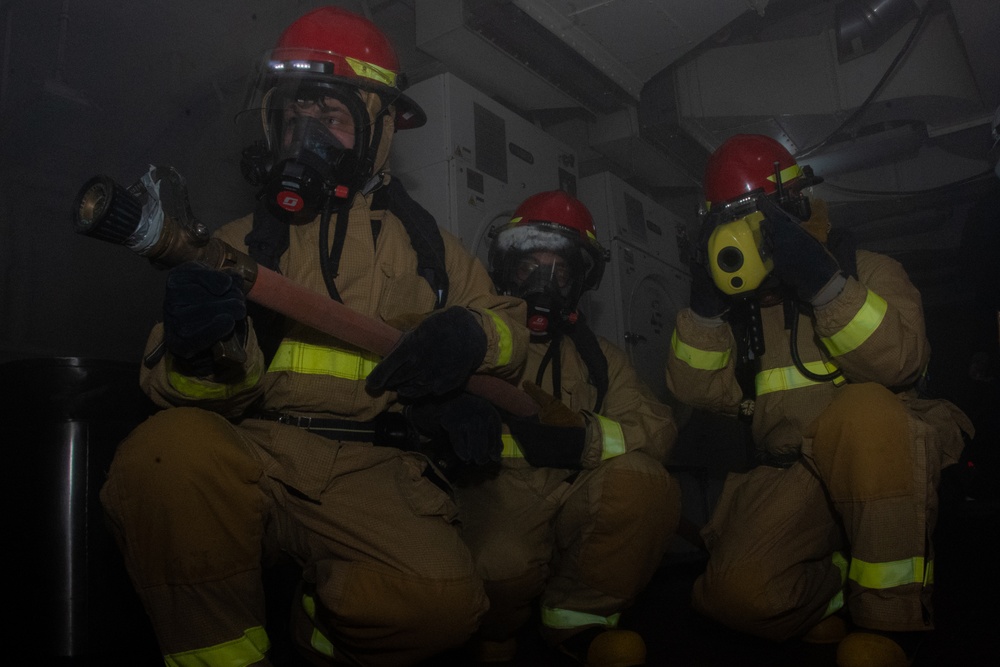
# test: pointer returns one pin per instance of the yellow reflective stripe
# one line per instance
(318, 640)
(788, 173)
(372, 71)
(703, 360)
(299, 357)
(858, 330)
(789, 377)
(247, 650)
(511, 450)
(613, 440)
(505, 339)
(841, 562)
(320, 643)
(837, 603)
(565, 619)
(894, 573)
(192, 387)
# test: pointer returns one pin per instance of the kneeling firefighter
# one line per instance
(297, 446)
(578, 513)
(821, 348)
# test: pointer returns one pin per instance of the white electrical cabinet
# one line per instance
(636, 308)
(475, 160)
(637, 302)
(625, 214)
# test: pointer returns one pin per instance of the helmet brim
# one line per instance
(409, 114)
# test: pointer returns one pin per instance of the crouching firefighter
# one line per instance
(577, 515)
(820, 347)
(276, 450)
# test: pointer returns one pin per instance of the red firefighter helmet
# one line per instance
(330, 44)
(551, 221)
(745, 163)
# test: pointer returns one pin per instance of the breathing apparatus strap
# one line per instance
(424, 233)
(593, 357)
(329, 260)
(266, 243)
(552, 355)
(268, 238)
(590, 352)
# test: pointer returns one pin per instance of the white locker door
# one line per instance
(476, 161)
(622, 213)
(466, 209)
(636, 307)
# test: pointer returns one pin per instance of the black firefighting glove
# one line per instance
(201, 307)
(800, 260)
(470, 423)
(555, 437)
(706, 299)
(435, 358)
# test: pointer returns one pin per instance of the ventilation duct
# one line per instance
(480, 40)
(864, 25)
(660, 124)
(886, 142)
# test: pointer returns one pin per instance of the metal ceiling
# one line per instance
(727, 66)
(653, 87)
(645, 88)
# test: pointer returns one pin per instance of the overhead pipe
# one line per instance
(864, 25)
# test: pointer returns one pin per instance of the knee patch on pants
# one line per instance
(510, 604)
(861, 444)
(749, 599)
(402, 615)
(182, 494)
(639, 511)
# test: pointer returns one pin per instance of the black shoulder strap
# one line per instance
(268, 238)
(593, 357)
(266, 243)
(425, 236)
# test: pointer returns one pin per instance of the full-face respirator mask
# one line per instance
(546, 283)
(314, 153)
(547, 255)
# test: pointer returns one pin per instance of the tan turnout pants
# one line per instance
(584, 542)
(865, 489)
(196, 511)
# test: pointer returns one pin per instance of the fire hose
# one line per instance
(156, 222)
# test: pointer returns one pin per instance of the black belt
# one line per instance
(389, 428)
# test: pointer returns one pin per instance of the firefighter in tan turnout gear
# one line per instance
(300, 449)
(578, 516)
(825, 357)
